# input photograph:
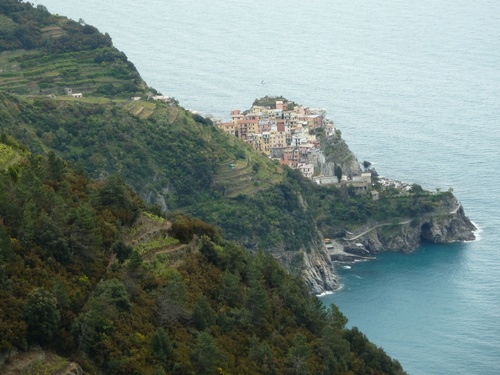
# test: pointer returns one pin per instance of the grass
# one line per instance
(86, 99)
(41, 73)
(141, 108)
(246, 178)
(8, 156)
(156, 243)
(49, 366)
(153, 217)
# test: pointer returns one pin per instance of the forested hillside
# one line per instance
(78, 278)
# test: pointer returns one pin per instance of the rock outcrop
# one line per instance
(319, 273)
(406, 236)
(337, 153)
(317, 265)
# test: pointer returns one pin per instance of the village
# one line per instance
(289, 135)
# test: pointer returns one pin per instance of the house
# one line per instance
(306, 169)
(326, 180)
(77, 95)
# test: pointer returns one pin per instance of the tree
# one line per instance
(416, 189)
(171, 300)
(258, 301)
(42, 316)
(209, 250)
(207, 356)
(5, 245)
(333, 348)
(121, 250)
(56, 167)
(260, 353)
(230, 291)
(338, 172)
(162, 346)
(113, 292)
(203, 316)
(298, 355)
(335, 318)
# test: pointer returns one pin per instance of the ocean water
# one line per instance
(415, 89)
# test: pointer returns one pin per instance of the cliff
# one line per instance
(406, 235)
(337, 153)
(403, 236)
(319, 273)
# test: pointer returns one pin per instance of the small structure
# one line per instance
(77, 95)
(326, 180)
(367, 177)
(306, 169)
(161, 97)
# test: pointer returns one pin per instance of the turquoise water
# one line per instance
(415, 89)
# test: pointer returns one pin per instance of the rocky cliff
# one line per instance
(337, 153)
(319, 273)
(405, 236)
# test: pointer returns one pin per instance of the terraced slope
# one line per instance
(149, 237)
(44, 54)
(241, 177)
(36, 73)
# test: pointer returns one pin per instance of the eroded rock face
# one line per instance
(439, 228)
(317, 266)
(454, 228)
(319, 273)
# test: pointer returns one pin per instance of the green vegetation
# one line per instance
(270, 101)
(61, 288)
(87, 272)
(43, 54)
(172, 160)
(10, 151)
(156, 243)
(7, 153)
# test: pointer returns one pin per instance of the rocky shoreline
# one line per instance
(406, 236)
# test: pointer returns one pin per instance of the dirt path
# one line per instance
(166, 250)
(452, 212)
(375, 227)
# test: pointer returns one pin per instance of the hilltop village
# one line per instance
(291, 136)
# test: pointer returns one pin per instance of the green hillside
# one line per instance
(42, 54)
(10, 152)
(89, 275)
(170, 156)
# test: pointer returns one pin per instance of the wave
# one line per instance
(327, 293)
(477, 232)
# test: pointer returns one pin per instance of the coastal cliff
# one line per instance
(319, 273)
(405, 236)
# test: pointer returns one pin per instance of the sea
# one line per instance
(414, 86)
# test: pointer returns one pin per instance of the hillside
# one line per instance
(41, 53)
(179, 161)
(88, 274)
